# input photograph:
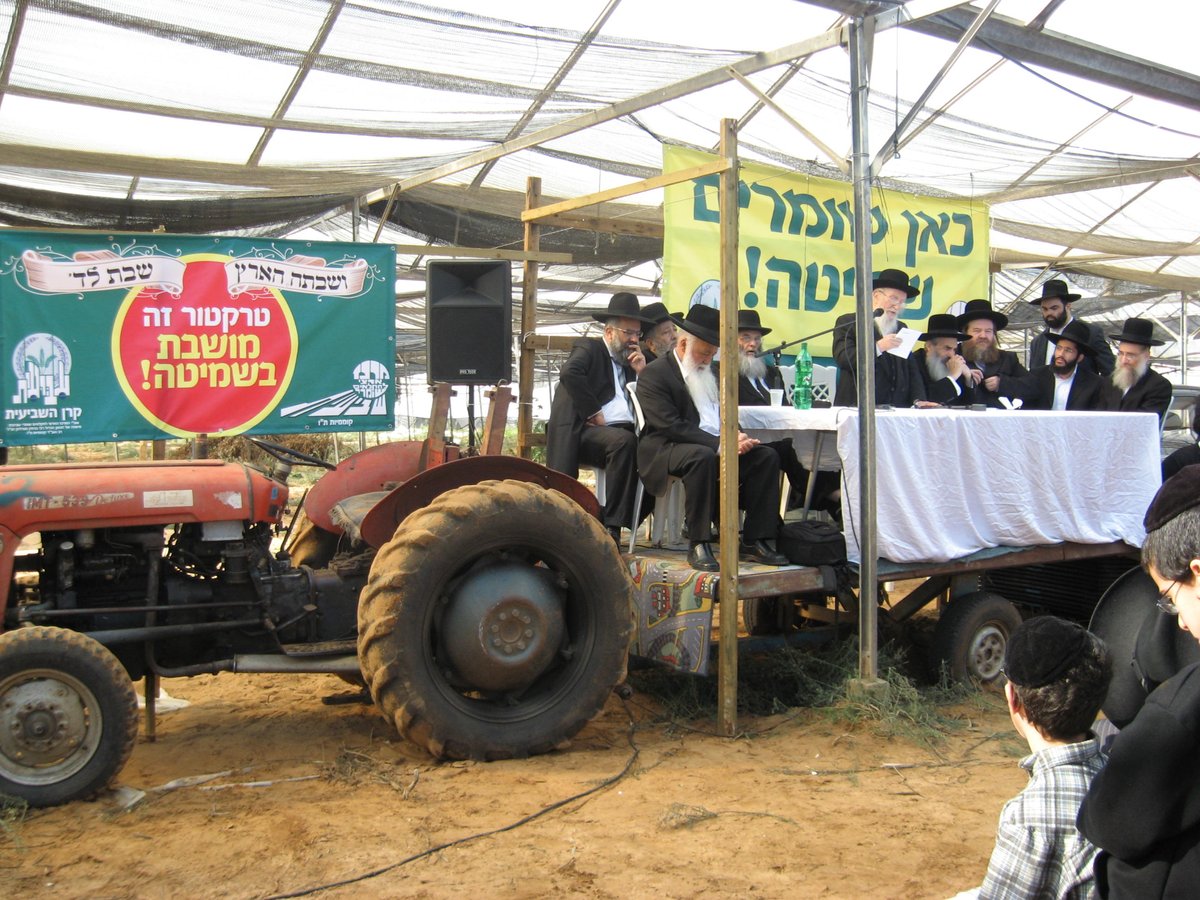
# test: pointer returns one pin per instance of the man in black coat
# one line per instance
(897, 382)
(986, 361)
(1055, 304)
(756, 379)
(944, 372)
(679, 399)
(1065, 384)
(591, 417)
(659, 336)
(1133, 385)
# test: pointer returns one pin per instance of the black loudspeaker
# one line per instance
(468, 321)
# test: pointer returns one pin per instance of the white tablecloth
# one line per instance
(952, 482)
(770, 423)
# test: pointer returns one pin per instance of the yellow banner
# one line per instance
(796, 247)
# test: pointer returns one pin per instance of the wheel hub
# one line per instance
(502, 627)
(42, 722)
(987, 652)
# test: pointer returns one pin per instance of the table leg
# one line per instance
(818, 439)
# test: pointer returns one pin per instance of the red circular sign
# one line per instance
(205, 362)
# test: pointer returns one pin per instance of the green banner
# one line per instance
(143, 336)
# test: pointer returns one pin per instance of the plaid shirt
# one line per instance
(1039, 851)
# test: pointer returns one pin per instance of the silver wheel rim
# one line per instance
(986, 656)
(50, 726)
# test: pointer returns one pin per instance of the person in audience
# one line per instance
(659, 335)
(944, 371)
(1133, 386)
(1143, 808)
(591, 416)
(1055, 303)
(986, 361)
(897, 382)
(680, 402)
(1064, 384)
(1188, 455)
(1058, 674)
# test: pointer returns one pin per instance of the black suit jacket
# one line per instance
(897, 381)
(1150, 393)
(671, 418)
(1036, 389)
(750, 395)
(942, 391)
(585, 384)
(1008, 367)
(1102, 362)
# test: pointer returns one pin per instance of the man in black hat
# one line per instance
(1057, 675)
(897, 382)
(943, 370)
(1055, 303)
(1133, 386)
(986, 361)
(591, 417)
(756, 379)
(1064, 384)
(659, 336)
(1143, 809)
(680, 402)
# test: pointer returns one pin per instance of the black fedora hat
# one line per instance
(1053, 289)
(748, 321)
(1137, 331)
(1146, 645)
(703, 322)
(942, 325)
(981, 309)
(1077, 333)
(622, 305)
(655, 313)
(894, 278)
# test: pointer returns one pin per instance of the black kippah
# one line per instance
(1178, 493)
(1041, 650)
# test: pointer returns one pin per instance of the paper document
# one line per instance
(908, 337)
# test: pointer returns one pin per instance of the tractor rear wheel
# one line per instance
(68, 715)
(495, 622)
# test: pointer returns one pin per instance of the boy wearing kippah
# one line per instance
(1143, 811)
(1058, 674)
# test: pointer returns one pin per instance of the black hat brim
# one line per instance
(1000, 320)
(1135, 339)
(1084, 347)
(705, 334)
(957, 335)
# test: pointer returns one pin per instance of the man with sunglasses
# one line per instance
(591, 417)
(1143, 809)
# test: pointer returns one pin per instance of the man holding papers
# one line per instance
(897, 380)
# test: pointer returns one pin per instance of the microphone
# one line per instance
(775, 351)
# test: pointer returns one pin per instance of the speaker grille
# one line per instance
(469, 321)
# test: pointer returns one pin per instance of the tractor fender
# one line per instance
(419, 491)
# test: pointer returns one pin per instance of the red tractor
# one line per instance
(479, 600)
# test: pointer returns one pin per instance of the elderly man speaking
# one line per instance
(679, 398)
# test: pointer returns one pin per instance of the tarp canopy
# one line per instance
(1078, 121)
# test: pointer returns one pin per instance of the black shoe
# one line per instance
(700, 557)
(761, 552)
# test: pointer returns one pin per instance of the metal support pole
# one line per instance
(1183, 339)
(868, 642)
(728, 555)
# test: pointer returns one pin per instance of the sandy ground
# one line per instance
(802, 805)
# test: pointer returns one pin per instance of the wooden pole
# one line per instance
(728, 585)
(529, 270)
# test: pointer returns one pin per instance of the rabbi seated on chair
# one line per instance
(679, 398)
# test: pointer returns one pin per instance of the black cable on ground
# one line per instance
(608, 782)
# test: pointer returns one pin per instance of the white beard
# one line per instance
(889, 323)
(701, 384)
(936, 367)
(1124, 378)
(752, 367)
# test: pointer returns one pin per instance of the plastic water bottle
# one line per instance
(802, 392)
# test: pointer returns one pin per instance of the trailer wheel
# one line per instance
(971, 636)
(761, 615)
(495, 622)
(68, 715)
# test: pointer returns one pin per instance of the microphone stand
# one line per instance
(776, 351)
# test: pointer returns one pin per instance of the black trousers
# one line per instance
(758, 489)
(614, 450)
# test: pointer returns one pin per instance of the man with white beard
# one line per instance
(897, 381)
(943, 370)
(659, 336)
(1133, 385)
(679, 397)
(756, 379)
(986, 361)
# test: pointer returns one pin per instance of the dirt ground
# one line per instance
(803, 805)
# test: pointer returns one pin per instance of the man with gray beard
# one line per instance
(1133, 385)
(943, 370)
(986, 361)
(680, 402)
(897, 381)
(658, 337)
(756, 379)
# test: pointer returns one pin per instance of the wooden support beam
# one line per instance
(625, 190)
(529, 286)
(635, 227)
(484, 253)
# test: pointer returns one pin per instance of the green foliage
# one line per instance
(12, 817)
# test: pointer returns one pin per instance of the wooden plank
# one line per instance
(485, 253)
(637, 187)
(529, 289)
(550, 342)
(610, 225)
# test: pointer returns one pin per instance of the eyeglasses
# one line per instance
(1165, 603)
(628, 332)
